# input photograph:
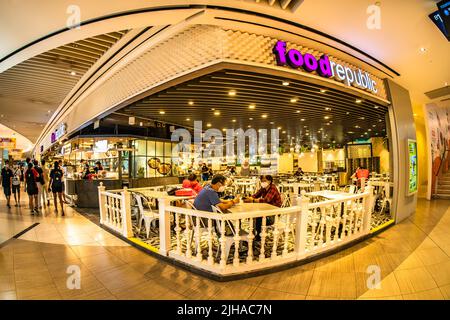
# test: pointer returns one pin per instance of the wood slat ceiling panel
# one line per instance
(323, 116)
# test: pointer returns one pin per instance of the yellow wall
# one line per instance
(422, 148)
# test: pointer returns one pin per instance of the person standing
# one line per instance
(16, 182)
(63, 180)
(31, 177)
(7, 176)
(40, 184)
(56, 186)
(45, 194)
(205, 172)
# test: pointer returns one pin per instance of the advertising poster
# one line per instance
(438, 121)
(412, 167)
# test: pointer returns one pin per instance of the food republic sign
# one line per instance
(323, 66)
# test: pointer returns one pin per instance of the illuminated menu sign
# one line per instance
(324, 67)
(412, 167)
(60, 131)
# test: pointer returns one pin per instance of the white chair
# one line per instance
(148, 216)
(229, 240)
(203, 227)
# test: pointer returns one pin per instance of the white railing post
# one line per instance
(367, 215)
(126, 213)
(164, 227)
(363, 184)
(301, 226)
(101, 202)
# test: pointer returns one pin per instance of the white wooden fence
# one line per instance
(225, 244)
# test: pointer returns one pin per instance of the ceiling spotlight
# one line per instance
(224, 129)
(250, 118)
(252, 106)
(191, 103)
(376, 107)
(326, 117)
(294, 100)
(284, 131)
(232, 92)
(249, 126)
(302, 119)
(162, 112)
(285, 83)
(73, 73)
(141, 124)
(358, 101)
(279, 128)
(271, 122)
(327, 109)
(422, 50)
(264, 116)
(188, 119)
(323, 90)
(217, 113)
(347, 113)
(234, 120)
(208, 125)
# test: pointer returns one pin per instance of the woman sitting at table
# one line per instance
(267, 194)
(299, 172)
(192, 183)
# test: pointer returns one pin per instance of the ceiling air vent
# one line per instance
(437, 93)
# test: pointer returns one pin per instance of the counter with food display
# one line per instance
(84, 192)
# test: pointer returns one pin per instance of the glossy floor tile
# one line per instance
(72, 258)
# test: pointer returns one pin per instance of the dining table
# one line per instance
(250, 207)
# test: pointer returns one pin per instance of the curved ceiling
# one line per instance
(405, 28)
(32, 90)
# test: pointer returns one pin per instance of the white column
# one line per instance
(164, 227)
(101, 202)
(126, 213)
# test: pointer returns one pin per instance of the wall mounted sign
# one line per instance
(412, 167)
(60, 131)
(323, 66)
(6, 143)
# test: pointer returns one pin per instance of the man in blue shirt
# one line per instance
(208, 196)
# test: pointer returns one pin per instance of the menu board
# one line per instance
(412, 167)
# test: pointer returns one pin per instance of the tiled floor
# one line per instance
(413, 258)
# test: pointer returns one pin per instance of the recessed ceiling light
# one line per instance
(208, 124)
(234, 120)
(327, 109)
(379, 120)
(362, 118)
(376, 107)
(224, 129)
(264, 116)
(284, 131)
(298, 111)
(252, 106)
(347, 113)
(326, 117)
(323, 90)
(422, 49)
(374, 125)
(249, 126)
(369, 129)
(73, 73)
(188, 119)
(358, 100)
(162, 112)
(307, 134)
(285, 83)
(217, 113)
(271, 122)
(294, 100)
(303, 120)
(279, 128)
(232, 92)
(250, 118)
(191, 103)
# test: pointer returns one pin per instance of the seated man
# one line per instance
(267, 194)
(208, 196)
(299, 172)
(192, 183)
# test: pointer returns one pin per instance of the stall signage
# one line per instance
(60, 131)
(323, 66)
(7, 143)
